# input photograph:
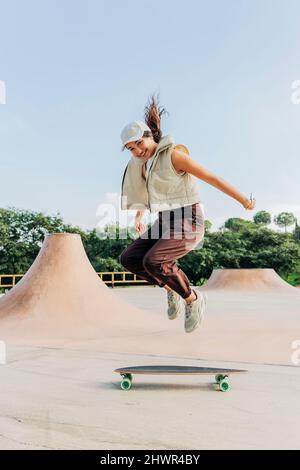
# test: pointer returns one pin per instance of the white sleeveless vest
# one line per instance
(164, 188)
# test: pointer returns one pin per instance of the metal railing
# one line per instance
(120, 278)
(11, 277)
(10, 280)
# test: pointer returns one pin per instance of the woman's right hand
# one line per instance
(139, 226)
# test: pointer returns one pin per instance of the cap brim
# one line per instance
(137, 137)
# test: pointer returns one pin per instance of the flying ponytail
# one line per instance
(153, 113)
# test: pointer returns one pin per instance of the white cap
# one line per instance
(133, 131)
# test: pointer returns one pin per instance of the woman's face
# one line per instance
(143, 148)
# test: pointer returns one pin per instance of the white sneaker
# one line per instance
(175, 305)
(194, 311)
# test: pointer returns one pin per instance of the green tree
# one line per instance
(105, 244)
(269, 249)
(296, 232)
(207, 225)
(236, 224)
(242, 244)
(21, 236)
(285, 219)
(262, 218)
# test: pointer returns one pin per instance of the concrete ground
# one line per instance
(68, 399)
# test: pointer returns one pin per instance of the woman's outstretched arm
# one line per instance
(183, 162)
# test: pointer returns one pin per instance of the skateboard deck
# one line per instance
(221, 375)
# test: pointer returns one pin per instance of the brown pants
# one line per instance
(152, 256)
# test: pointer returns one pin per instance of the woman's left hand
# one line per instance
(249, 203)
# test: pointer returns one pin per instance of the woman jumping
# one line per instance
(161, 176)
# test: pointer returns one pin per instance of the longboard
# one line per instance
(221, 375)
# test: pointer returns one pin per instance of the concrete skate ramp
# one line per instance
(247, 280)
(61, 297)
(61, 302)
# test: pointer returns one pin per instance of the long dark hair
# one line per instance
(153, 113)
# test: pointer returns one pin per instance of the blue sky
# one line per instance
(77, 71)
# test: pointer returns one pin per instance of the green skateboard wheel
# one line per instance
(224, 385)
(126, 384)
(219, 377)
